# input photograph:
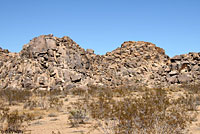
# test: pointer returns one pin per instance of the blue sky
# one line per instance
(103, 25)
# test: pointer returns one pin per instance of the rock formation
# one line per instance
(48, 63)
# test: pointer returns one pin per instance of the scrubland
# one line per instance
(100, 110)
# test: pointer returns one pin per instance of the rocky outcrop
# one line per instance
(48, 63)
(184, 68)
(133, 62)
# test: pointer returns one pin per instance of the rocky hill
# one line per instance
(48, 63)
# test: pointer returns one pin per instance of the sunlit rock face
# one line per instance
(48, 63)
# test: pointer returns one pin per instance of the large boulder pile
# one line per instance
(132, 63)
(48, 63)
(182, 69)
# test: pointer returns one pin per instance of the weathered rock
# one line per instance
(196, 68)
(90, 51)
(172, 79)
(69, 86)
(174, 66)
(75, 78)
(167, 69)
(48, 62)
(172, 73)
(51, 44)
(27, 83)
(176, 58)
(184, 78)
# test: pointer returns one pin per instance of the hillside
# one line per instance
(53, 86)
(48, 62)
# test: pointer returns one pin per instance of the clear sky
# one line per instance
(103, 25)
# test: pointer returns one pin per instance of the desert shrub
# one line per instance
(153, 112)
(191, 97)
(93, 90)
(123, 91)
(37, 102)
(55, 103)
(192, 88)
(40, 93)
(43, 102)
(120, 91)
(3, 110)
(190, 101)
(76, 117)
(11, 122)
(12, 95)
(55, 92)
(78, 91)
(77, 114)
(14, 120)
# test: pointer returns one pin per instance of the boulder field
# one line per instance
(48, 63)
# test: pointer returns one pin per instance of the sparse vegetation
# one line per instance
(55, 103)
(44, 100)
(153, 111)
(148, 114)
(122, 110)
(192, 88)
(12, 121)
(77, 114)
(11, 95)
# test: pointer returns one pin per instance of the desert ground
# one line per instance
(83, 112)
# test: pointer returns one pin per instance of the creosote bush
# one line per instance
(77, 114)
(44, 102)
(12, 95)
(55, 103)
(11, 121)
(192, 88)
(151, 113)
(192, 96)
